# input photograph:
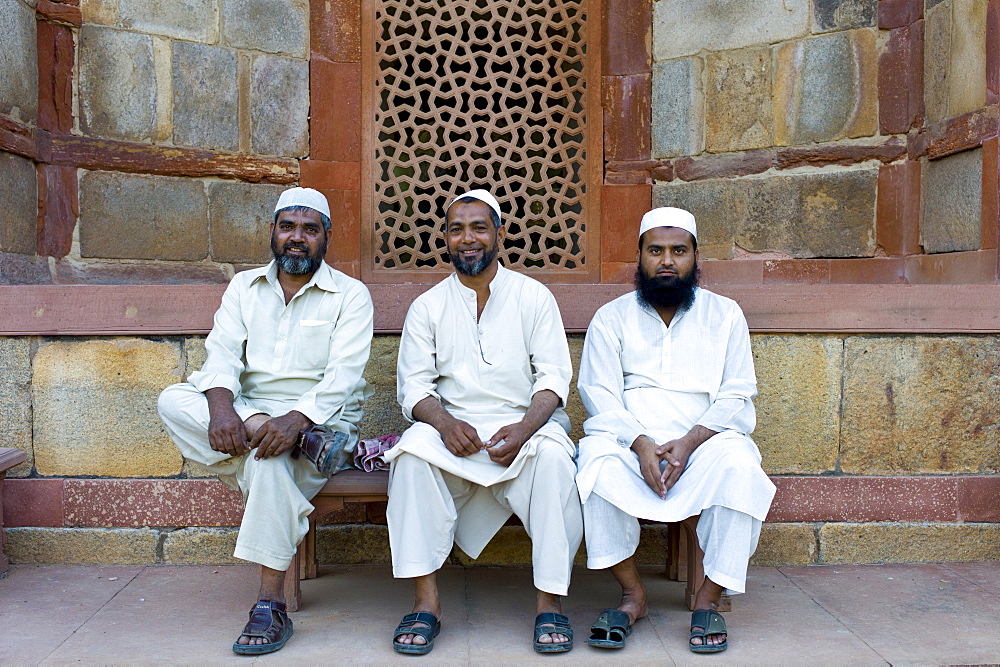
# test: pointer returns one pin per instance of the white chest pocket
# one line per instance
(312, 344)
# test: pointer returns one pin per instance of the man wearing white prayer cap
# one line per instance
(275, 407)
(668, 381)
(484, 373)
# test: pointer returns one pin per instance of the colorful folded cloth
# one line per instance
(369, 454)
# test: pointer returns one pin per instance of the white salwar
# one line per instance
(484, 373)
(639, 376)
(307, 356)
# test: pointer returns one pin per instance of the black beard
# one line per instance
(476, 267)
(297, 266)
(668, 291)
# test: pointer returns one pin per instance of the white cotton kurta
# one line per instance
(484, 373)
(308, 356)
(639, 376)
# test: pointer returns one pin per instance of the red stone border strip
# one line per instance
(956, 134)
(60, 12)
(130, 503)
(144, 310)
(136, 158)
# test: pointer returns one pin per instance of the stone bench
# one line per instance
(9, 457)
(683, 557)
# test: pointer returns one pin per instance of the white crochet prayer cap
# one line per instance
(483, 196)
(314, 199)
(668, 216)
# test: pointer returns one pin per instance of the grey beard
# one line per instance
(297, 266)
(476, 267)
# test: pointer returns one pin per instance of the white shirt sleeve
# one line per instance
(732, 409)
(350, 347)
(602, 384)
(224, 346)
(548, 349)
(416, 367)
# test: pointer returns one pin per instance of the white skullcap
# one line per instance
(314, 199)
(483, 196)
(668, 216)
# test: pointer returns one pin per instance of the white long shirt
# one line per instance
(485, 372)
(639, 376)
(308, 355)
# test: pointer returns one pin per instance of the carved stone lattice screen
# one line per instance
(479, 93)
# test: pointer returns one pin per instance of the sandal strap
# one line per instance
(558, 623)
(262, 622)
(407, 625)
(710, 622)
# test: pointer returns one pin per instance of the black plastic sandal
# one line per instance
(263, 624)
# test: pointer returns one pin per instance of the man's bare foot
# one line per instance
(426, 599)
(634, 604)
(707, 598)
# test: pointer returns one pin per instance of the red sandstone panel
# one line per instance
(897, 220)
(335, 30)
(150, 502)
(955, 134)
(732, 271)
(628, 36)
(991, 193)
(901, 80)
(993, 51)
(623, 207)
(866, 271)
(617, 273)
(33, 502)
(979, 498)
(799, 271)
(58, 192)
(953, 268)
(335, 107)
(864, 499)
(898, 13)
(344, 252)
(92, 310)
(55, 77)
(324, 175)
(626, 101)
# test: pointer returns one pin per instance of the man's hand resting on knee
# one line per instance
(226, 432)
(278, 434)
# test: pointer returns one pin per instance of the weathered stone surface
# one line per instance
(348, 544)
(826, 88)
(335, 30)
(798, 404)
(56, 64)
(684, 27)
(382, 412)
(95, 408)
(952, 197)
(678, 108)
(627, 116)
(194, 20)
(937, 60)
(194, 353)
(18, 61)
(920, 404)
(962, 133)
(205, 113)
(102, 12)
(271, 26)
(574, 406)
(279, 107)
(844, 14)
(845, 154)
(82, 546)
(898, 216)
(627, 41)
(785, 544)
(19, 210)
(719, 206)
(15, 401)
(241, 214)
(70, 272)
(201, 546)
(59, 209)
(127, 216)
(812, 215)
(901, 80)
(117, 84)
(739, 109)
(899, 13)
(967, 78)
(23, 269)
(908, 543)
(723, 166)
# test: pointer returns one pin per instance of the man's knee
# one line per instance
(553, 457)
(172, 401)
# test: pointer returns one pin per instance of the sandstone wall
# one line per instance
(888, 436)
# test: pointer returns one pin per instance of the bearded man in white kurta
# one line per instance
(484, 371)
(667, 378)
(274, 409)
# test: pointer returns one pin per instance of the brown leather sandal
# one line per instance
(326, 448)
(268, 620)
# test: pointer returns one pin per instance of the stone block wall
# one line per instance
(820, 141)
(866, 436)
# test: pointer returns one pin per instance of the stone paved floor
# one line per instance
(867, 614)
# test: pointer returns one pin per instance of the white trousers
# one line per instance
(425, 503)
(727, 537)
(276, 490)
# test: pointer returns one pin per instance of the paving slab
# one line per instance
(910, 614)
(900, 614)
(42, 606)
